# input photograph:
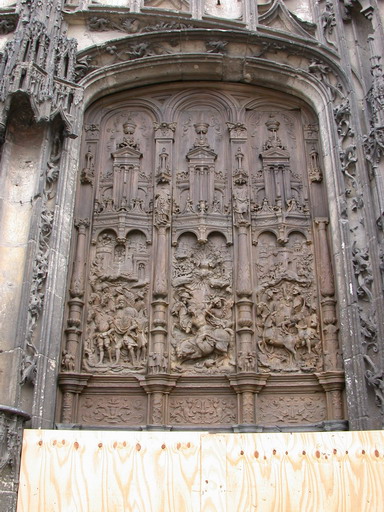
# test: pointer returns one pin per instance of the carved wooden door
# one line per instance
(201, 291)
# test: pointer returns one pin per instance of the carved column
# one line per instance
(328, 302)
(246, 355)
(332, 379)
(247, 387)
(164, 135)
(333, 384)
(11, 432)
(76, 302)
(71, 386)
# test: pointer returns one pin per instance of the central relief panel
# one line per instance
(201, 289)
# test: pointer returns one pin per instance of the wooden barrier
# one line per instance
(88, 471)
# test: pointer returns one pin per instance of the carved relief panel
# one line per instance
(287, 299)
(200, 258)
(202, 309)
(117, 321)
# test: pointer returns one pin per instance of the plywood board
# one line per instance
(109, 471)
(68, 471)
(340, 471)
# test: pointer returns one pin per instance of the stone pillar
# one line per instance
(71, 360)
(332, 356)
(158, 357)
(333, 384)
(11, 432)
(71, 386)
(246, 354)
(332, 379)
(247, 386)
(76, 302)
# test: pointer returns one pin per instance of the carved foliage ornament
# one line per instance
(40, 265)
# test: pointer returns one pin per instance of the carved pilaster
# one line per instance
(160, 288)
(333, 384)
(246, 355)
(327, 288)
(164, 136)
(76, 303)
(159, 335)
(77, 282)
(71, 387)
(247, 386)
(158, 389)
(245, 330)
(332, 359)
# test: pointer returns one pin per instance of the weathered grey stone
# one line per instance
(140, 139)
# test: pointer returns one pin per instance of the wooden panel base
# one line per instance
(189, 471)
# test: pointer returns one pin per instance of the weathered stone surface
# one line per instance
(192, 213)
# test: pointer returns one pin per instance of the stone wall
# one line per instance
(314, 72)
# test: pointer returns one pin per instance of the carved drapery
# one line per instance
(204, 258)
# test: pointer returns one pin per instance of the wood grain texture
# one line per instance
(109, 472)
(327, 472)
(66, 471)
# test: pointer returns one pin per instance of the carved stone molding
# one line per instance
(203, 410)
(112, 410)
(296, 409)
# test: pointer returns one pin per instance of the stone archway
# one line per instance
(202, 290)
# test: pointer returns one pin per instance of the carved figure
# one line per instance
(246, 361)
(241, 205)
(216, 46)
(205, 342)
(287, 322)
(68, 362)
(363, 273)
(128, 140)
(181, 310)
(29, 366)
(278, 337)
(125, 326)
(375, 378)
(99, 24)
(211, 333)
(202, 310)
(307, 330)
(162, 208)
(328, 21)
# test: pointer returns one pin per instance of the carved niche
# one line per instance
(200, 259)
